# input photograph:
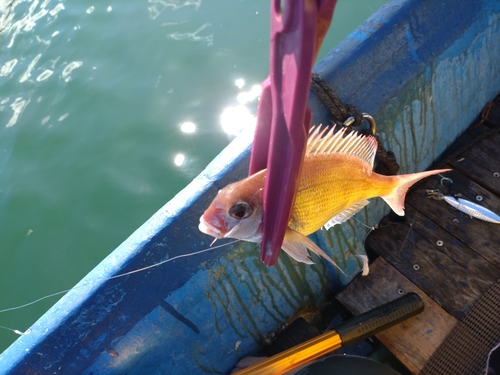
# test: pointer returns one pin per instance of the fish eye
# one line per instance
(240, 210)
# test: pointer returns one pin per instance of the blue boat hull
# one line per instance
(423, 69)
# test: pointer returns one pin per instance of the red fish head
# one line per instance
(236, 212)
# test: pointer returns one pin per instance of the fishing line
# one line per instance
(363, 224)
(410, 230)
(371, 228)
(15, 330)
(169, 260)
(110, 278)
(379, 225)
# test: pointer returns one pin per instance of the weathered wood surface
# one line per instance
(452, 257)
(482, 237)
(412, 341)
(447, 257)
(481, 162)
(448, 271)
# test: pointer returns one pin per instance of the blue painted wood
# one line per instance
(423, 68)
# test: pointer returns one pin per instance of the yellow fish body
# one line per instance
(335, 182)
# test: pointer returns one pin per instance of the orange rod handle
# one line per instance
(296, 356)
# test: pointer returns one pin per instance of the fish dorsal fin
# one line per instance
(324, 141)
(346, 214)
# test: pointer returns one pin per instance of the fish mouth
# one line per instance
(207, 228)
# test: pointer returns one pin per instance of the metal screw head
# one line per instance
(456, 221)
(401, 291)
(479, 198)
(416, 267)
(496, 174)
(439, 243)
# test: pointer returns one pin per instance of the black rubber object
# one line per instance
(376, 320)
(346, 365)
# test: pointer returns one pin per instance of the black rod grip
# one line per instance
(372, 322)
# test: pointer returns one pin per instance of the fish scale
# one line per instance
(330, 184)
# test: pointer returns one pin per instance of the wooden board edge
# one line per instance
(412, 341)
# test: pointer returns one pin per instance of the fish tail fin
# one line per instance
(396, 198)
(296, 244)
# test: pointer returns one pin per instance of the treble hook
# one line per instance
(445, 179)
(435, 194)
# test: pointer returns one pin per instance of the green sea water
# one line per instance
(107, 110)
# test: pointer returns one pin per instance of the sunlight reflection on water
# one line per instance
(7, 68)
(179, 159)
(69, 68)
(194, 35)
(25, 24)
(17, 107)
(107, 110)
(188, 127)
(158, 6)
(86, 132)
(235, 119)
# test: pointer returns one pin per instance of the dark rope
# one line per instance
(385, 161)
(340, 111)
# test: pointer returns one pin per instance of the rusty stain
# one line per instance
(112, 352)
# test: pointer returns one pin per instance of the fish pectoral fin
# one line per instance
(346, 214)
(296, 244)
(296, 249)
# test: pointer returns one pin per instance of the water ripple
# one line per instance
(194, 35)
(69, 68)
(28, 20)
(44, 75)
(6, 69)
(160, 5)
(27, 74)
(18, 106)
(57, 9)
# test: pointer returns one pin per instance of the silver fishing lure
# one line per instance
(470, 208)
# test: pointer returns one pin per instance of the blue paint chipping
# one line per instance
(423, 68)
(411, 46)
(388, 63)
(359, 35)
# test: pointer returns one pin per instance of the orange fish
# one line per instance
(336, 181)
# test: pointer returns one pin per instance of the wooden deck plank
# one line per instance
(471, 136)
(481, 162)
(480, 236)
(449, 272)
(412, 341)
(445, 256)
(491, 112)
(442, 254)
